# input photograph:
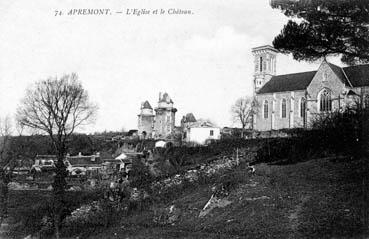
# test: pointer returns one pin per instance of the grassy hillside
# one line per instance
(313, 199)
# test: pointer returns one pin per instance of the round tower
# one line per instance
(146, 120)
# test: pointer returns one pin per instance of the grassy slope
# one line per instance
(314, 199)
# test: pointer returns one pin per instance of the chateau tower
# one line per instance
(265, 65)
(164, 117)
(146, 120)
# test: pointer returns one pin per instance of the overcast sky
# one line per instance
(202, 60)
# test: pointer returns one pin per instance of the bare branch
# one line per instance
(56, 107)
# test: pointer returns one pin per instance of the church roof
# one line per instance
(290, 82)
(358, 75)
(146, 105)
(355, 76)
(339, 73)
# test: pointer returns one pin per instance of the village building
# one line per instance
(295, 100)
(158, 125)
(187, 119)
(200, 132)
(82, 164)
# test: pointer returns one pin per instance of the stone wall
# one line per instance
(145, 123)
(164, 122)
(324, 78)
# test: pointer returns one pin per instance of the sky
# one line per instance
(202, 60)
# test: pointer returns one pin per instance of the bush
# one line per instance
(91, 217)
(32, 210)
(339, 133)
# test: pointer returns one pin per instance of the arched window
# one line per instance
(302, 107)
(283, 108)
(265, 107)
(325, 101)
(366, 101)
(261, 64)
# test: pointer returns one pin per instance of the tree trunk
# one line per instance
(57, 226)
(59, 187)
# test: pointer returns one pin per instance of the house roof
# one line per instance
(201, 124)
(290, 82)
(188, 118)
(84, 160)
(121, 156)
(355, 76)
(46, 157)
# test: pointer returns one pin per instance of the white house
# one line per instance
(200, 132)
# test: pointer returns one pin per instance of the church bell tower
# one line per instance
(265, 65)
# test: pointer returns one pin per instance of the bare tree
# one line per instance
(5, 159)
(243, 111)
(57, 107)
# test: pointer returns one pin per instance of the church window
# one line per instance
(366, 101)
(283, 108)
(302, 107)
(325, 101)
(261, 64)
(265, 107)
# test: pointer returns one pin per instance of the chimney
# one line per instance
(79, 154)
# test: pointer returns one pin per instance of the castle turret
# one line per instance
(164, 117)
(265, 65)
(146, 120)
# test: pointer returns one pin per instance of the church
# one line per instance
(295, 100)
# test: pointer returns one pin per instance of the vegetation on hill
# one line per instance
(291, 196)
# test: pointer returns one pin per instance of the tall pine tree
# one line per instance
(319, 28)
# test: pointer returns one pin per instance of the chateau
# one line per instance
(294, 100)
(158, 125)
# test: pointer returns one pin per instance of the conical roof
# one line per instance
(146, 105)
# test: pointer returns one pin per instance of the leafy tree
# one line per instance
(320, 28)
(243, 111)
(57, 107)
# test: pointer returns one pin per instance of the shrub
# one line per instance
(90, 217)
(338, 133)
(32, 211)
